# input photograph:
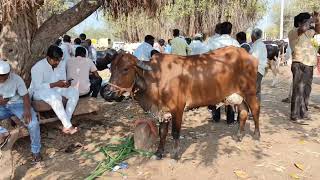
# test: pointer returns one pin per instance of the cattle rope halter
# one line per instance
(121, 89)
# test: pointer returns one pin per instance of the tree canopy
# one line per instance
(190, 16)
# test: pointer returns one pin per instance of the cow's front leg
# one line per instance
(163, 131)
(176, 127)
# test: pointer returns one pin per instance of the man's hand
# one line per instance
(27, 115)
(3, 101)
(60, 84)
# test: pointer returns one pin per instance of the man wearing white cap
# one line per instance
(15, 101)
(47, 85)
(197, 46)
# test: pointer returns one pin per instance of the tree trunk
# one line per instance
(23, 43)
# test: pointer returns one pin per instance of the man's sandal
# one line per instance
(4, 142)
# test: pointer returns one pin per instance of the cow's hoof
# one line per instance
(175, 156)
(239, 136)
(159, 155)
(256, 135)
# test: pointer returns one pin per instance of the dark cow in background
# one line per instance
(276, 55)
(104, 58)
(169, 84)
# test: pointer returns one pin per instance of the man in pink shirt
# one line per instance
(83, 74)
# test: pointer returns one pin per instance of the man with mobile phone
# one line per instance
(304, 58)
(15, 101)
(46, 85)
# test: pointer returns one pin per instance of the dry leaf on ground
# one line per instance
(299, 166)
(241, 174)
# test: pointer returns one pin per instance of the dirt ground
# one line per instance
(208, 149)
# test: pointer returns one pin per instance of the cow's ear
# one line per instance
(143, 66)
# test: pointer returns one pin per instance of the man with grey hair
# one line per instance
(259, 51)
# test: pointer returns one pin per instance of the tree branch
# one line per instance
(59, 24)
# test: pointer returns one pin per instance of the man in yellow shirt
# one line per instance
(179, 45)
(304, 58)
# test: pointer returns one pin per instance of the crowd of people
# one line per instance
(69, 71)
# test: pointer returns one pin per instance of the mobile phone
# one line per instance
(70, 80)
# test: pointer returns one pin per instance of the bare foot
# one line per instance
(71, 130)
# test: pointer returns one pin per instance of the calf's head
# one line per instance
(123, 75)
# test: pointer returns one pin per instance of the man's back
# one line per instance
(222, 41)
(198, 47)
(143, 52)
(78, 69)
(179, 46)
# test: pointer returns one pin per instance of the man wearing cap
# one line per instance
(197, 46)
(15, 101)
(47, 85)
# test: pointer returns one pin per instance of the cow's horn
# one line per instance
(143, 66)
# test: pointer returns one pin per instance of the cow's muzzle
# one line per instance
(109, 95)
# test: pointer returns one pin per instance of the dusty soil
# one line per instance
(207, 148)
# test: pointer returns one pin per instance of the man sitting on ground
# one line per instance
(15, 101)
(46, 86)
(78, 69)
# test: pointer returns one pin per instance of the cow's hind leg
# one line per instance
(254, 106)
(163, 131)
(243, 116)
(176, 127)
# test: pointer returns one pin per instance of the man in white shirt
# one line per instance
(143, 52)
(224, 39)
(46, 86)
(197, 46)
(219, 42)
(66, 47)
(79, 69)
(259, 51)
(15, 101)
(217, 33)
(168, 48)
(92, 52)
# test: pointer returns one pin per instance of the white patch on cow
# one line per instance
(233, 99)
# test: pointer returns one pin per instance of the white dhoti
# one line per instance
(53, 97)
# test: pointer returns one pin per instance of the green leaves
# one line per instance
(115, 154)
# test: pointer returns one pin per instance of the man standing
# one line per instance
(259, 51)
(143, 52)
(168, 48)
(15, 101)
(221, 41)
(179, 45)
(224, 39)
(46, 86)
(92, 52)
(217, 33)
(242, 39)
(197, 46)
(66, 47)
(304, 58)
(79, 69)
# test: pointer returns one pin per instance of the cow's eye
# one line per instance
(126, 70)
